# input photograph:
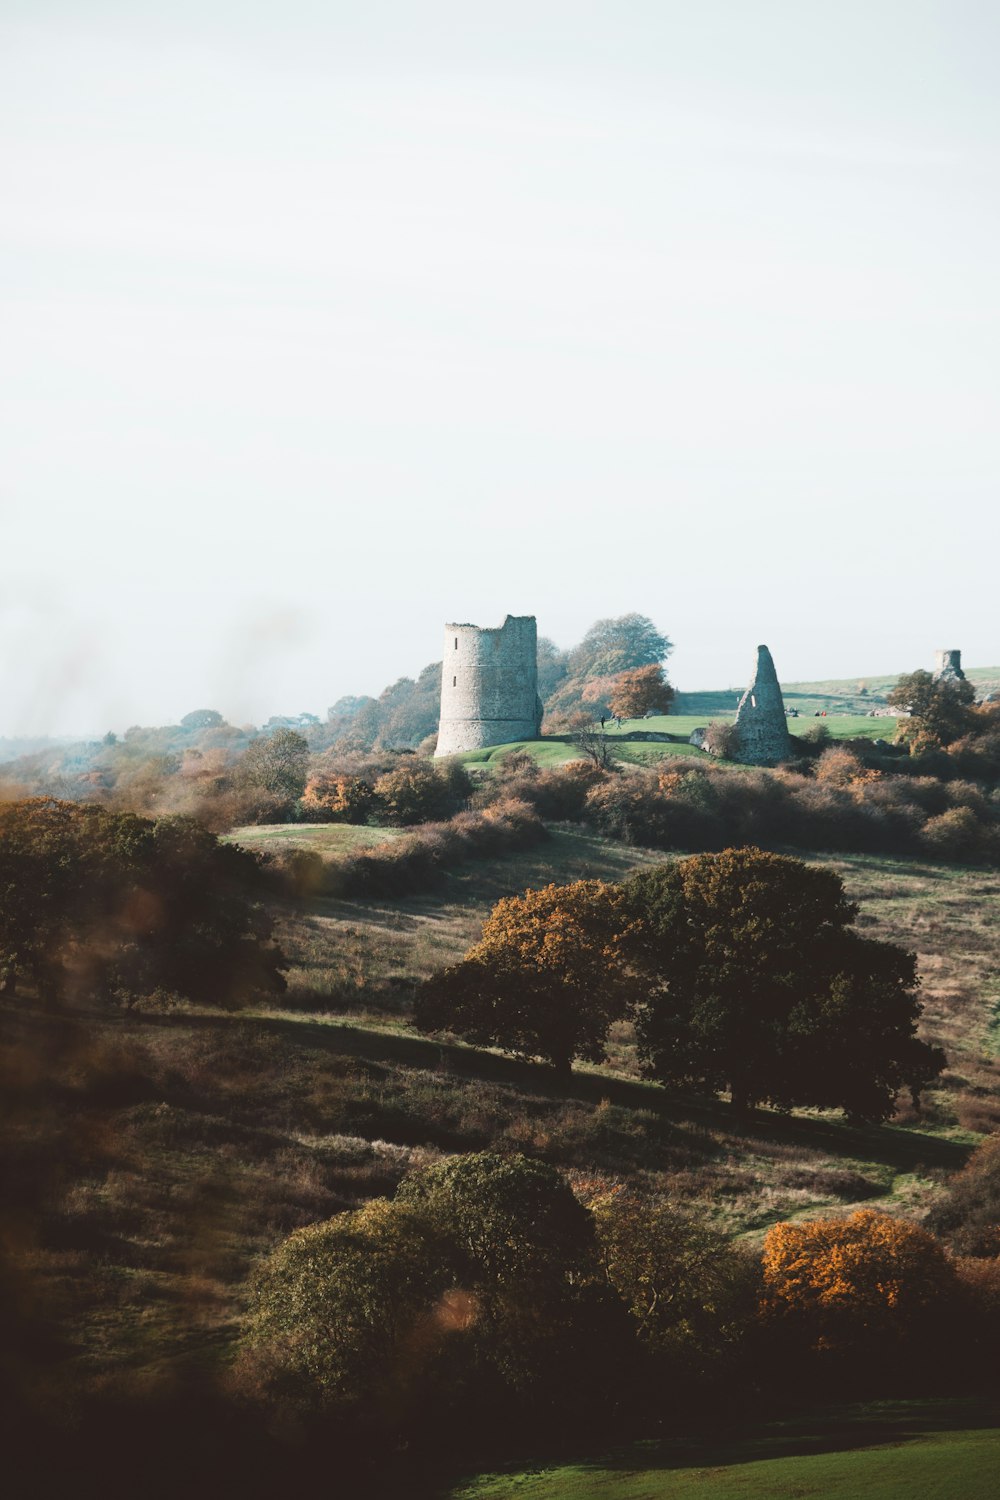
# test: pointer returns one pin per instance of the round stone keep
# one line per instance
(489, 685)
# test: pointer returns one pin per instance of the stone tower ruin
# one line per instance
(948, 666)
(489, 685)
(761, 728)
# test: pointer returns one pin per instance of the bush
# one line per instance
(968, 1217)
(475, 1293)
(341, 1315)
(691, 1296)
(338, 799)
(722, 739)
(867, 1287)
(417, 792)
(953, 835)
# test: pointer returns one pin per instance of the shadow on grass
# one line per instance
(902, 1148)
(830, 1430)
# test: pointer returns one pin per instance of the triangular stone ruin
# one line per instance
(761, 728)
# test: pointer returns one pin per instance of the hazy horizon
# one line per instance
(325, 326)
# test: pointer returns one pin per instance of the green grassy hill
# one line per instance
(888, 1451)
(848, 713)
(555, 750)
(837, 695)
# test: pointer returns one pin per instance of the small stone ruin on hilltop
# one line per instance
(948, 666)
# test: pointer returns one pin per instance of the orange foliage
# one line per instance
(865, 1274)
(341, 799)
(840, 767)
(567, 931)
(642, 691)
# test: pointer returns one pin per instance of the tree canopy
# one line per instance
(689, 1293)
(757, 984)
(277, 763)
(478, 1283)
(866, 1280)
(616, 645)
(202, 718)
(941, 709)
(644, 690)
(740, 969)
(96, 902)
(545, 980)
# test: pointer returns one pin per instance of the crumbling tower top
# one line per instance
(948, 666)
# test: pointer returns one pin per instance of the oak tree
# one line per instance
(642, 691)
(545, 980)
(940, 709)
(756, 983)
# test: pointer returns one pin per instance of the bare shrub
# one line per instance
(721, 739)
(953, 835)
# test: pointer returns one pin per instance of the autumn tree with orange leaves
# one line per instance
(866, 1282)
(545, 980)
(645, 690)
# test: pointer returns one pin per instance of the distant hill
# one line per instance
(11, 747)
(836, 695)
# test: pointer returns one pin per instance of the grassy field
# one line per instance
(557, 750)
(887, 1451)
(840, 726)
(841, 694)
(328, 839)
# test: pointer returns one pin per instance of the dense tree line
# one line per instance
(741, 971)
(101, 904)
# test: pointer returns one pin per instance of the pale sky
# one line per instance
(327, 322)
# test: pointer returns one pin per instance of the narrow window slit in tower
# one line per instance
(456, 643)
(454, 682)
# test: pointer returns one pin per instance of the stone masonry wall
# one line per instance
(948, 666)
(761, 727)
(489, 685)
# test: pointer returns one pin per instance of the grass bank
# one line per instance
(938, 1450)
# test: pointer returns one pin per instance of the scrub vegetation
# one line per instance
(210, 1179)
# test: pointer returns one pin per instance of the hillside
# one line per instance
(837, 695)
(643, 741)
(173, 1146)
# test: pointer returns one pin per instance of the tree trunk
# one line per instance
(739, 1097)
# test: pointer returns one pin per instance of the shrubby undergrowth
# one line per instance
(487, 1306)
